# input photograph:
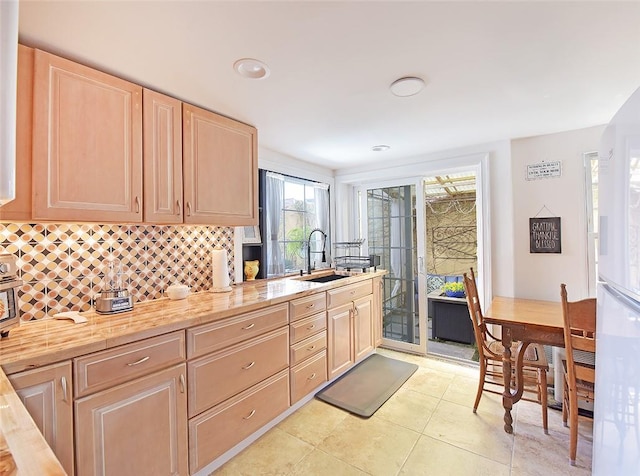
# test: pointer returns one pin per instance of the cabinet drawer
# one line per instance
(218, 335)
(110, 367)
(306, 327)
(306, 306)
(308, 347)
(339, 296)
(218, 376)
(308, 376)
(224, 426)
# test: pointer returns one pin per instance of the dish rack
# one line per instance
(348, 256)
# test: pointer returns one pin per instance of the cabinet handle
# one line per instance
(182, 385)
(249, 326)
(188, 209)
(247, 367)
(312, 326)
(63, 383)
(352, 292)
(253, 412)
(312, 376)
(311, 348)
(137, 202)
(310, 306)
(138, 362)
(178, 207)
(356, 312)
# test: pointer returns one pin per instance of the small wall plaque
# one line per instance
(544, 170)
(544, 235)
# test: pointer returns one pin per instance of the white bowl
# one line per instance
(177, 291)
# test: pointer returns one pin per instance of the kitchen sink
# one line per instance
(327, 278)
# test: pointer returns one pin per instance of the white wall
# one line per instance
(512, 271)
(538, 275)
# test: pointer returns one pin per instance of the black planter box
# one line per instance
(450, 320)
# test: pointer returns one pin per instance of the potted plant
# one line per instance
(455, 289)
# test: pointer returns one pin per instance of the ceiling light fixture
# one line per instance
(408, 86)
(251, 68)
(380, 148)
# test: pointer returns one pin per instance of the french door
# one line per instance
(392, 223)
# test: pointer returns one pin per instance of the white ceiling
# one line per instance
(494, 70)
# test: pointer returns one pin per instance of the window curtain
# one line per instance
(275, 202)
(321, 198)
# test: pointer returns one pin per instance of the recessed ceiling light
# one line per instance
(408, 86)
(251, 68)
(380, 148)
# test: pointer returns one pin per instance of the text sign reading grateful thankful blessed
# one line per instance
(544, 235)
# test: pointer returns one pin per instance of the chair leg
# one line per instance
(565, 403)
(573, 427)
(542, 388)
(483, 373)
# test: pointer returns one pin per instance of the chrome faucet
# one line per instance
(324, 242)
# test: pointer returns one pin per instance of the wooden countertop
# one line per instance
(39, 343)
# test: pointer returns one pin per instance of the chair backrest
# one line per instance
(579, 332)
(475, 310)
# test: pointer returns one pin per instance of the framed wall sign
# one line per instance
(251, 234)
(545, 235)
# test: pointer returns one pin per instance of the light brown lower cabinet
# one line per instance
(349, 326)
(136, 428)
(47, 394)
(223, 426)
(377, 310)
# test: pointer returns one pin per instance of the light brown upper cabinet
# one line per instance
(20, 208)
(220, 163)
(87, 143)
(162, 123)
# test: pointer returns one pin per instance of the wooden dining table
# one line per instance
(526, 321)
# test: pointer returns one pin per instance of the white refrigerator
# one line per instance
(616, 426)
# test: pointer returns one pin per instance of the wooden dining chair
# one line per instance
(579, 378)
(490, 351)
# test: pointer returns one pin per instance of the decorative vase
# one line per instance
(251, 269)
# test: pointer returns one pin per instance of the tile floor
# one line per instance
(426, 428)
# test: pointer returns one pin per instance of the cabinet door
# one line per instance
(363, 327)
(46, 393)
(162, 123)
(377, 311)
(136, 428)
(87, 143)
(20, 208)
(220, 169)
(340, 339)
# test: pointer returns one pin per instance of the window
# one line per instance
(591, 175)
(294, 207)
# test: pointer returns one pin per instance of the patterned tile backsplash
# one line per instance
(62, 265)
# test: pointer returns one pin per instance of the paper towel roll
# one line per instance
(219, 271)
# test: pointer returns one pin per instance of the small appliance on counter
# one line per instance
(9, 284)
(114, 297)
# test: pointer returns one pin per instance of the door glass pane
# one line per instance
(391, 214)
(452, 245)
